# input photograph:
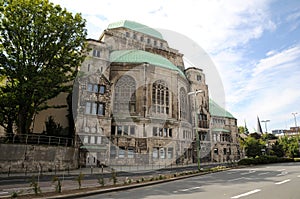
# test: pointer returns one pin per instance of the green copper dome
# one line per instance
(140, 56)
(216, 110)
(136, 27)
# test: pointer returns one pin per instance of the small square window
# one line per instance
(88, 106)
(134, 36)
(121, 153)
(130, 153)
(132, 130)
(95, 88)
(170, 133)
(155, 42)
(101, 109)
(154, 131)
(199, 78)
(142, 38)
(127, 34)
(96, 53)
(148, 41)
(90, 87)
(155, 153)
(102, 89)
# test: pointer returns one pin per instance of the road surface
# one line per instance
(275, 181)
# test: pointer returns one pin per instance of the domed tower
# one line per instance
(199, 100)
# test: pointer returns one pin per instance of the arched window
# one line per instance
(124, 96)
(183, 104)
(160, 97)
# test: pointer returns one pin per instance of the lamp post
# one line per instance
(266, 121)
(267, 138)
(295, 121)
(196, 126)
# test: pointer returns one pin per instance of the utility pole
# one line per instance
(266, 121)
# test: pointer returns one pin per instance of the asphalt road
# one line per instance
(276, 181)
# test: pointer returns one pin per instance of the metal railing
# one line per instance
(38, 140)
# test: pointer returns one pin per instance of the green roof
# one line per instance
(217, 110)
(140, 56)
(221, 130)
(136, 27)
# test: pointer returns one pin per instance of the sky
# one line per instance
(254, 45)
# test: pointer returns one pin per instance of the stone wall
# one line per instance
(28, 158)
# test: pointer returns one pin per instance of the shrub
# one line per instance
(264, 160)
(114, 176)
(35, 186)
(101, 181)
(79, 179)
(58, 185)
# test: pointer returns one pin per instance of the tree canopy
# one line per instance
(41, 47)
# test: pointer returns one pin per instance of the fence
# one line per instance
(38, 139)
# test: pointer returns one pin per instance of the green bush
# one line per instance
(264, 160)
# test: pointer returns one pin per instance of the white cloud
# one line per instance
(214, 24)
(273, 90)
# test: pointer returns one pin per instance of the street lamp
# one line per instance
(266, 121)
(196, 126)
(267, 138)
(295, 121)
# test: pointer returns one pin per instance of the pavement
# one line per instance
(20, 182)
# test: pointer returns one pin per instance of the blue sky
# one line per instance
(254, 45)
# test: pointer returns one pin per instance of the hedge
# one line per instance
(264, 160)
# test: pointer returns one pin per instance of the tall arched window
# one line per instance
(183, 104)
(124, 96)
(160, 97)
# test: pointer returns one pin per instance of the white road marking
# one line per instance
(281, 170)
(251, 171)
(263, 173)
(283, 181)
(298, 176)
(282, 173)
(233, 172)
(3, 192)
(189, 189)
(235, 179)
(246, 194)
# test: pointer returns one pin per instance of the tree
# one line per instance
(253, 146)
(290, 146)
(41, 46)
(241, 129)
(277, 149)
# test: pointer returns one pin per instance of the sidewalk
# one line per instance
(98, 170)
(90, 180)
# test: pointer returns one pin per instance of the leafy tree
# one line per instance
(241, 129)
(253, 146)
(277, 149)
(290, 146)
(41, 47)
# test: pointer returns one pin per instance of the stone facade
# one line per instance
(225, 138)
(134, 107)
(28, 158)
